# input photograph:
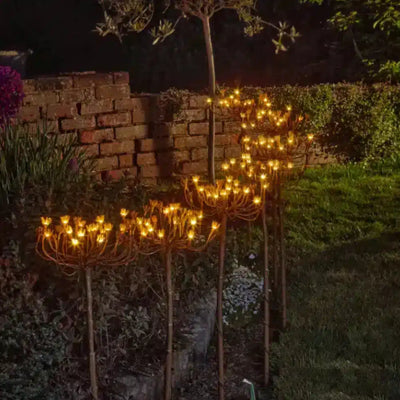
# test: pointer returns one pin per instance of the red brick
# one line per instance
(91, 150)
(224, 140)
(154, 171)
(198, 101)
(190, 142)
(29, 113)
(91, 80)
(201, 128)
(174, 157)
(196, 167)
(96, 136)
(55, 111)
(29, 85)
(107, 149)
(53, 83)
(112, 92)
(123, 118)
(126, 160)
(194, 115)
(98, 107)
(132, 132)
(140, 107)
(202, 154)
(78, 123)
(107, 163)
(146, 159)
(232, 127)
(147, 145)
(170, 129)
(41, 98)
(83, 95)
(121, 77)
(233, 151)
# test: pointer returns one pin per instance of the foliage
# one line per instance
(39, 168)
(11, 94)
(355, 122)
(344, 253)
(374, 28)
(32, 349)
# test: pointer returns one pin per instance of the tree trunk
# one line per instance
(282, 260)
(92, 354)
(266, 297)
(220, 322)
(170, 331)
(211, 93)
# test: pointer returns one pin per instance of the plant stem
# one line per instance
(211, 92)
(275, 234)
(266, 298)
(170, 331)
(282, 260)
(92, 354)
(220, 322)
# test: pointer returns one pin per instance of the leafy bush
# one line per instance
(32, 349)
(11, 94)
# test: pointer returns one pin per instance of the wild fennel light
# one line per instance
(76, 245)
(228, 199)
(166, 229)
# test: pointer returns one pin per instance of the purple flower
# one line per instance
(11, 94)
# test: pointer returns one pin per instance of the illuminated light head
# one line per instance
(224, 193)
(161, 234)
(216, 196)
(237, 92)
(122, 228)
(143, 233)
(289, 108)
(108, 227)
(310, 137)
(200, 215)
(100, 219)
(196, 179)
(65, 219)
(257, 200)
(232, 161)
(209, 100)
(290, 165)
(74, 242)
(124, 212)
(81, 233)
(69, 230)
(214, 225)
(166, 210)
(246, 190)
(47, 233)
(263, 177)
(193, 221)
(225, 166)
(290, 140)
(246, 139)
(229, 179)
(46, 221)
(201, 188)
(191, 235)
(100, 239)
(236, 183)
(281, 148)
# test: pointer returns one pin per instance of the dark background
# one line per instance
(61, 34)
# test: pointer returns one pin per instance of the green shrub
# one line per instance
(32, 349)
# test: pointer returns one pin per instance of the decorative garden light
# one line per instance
(227, 200)
(166, 229)
(78, 246)
(270, 150)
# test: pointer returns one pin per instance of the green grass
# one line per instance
(343, 340)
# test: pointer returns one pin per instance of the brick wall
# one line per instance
(127, 134)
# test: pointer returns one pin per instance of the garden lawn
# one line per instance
(342, 341)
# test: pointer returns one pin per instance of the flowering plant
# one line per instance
(11, 94)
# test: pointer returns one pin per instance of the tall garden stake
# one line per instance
(81, 247)
(166, 229)
(228, 199)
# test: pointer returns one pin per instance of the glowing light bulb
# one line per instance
(100, 219)
(290, 165)
(196, 179)
(191, 235)
(69, 230)
(225, 166)
(81, 233)
(122, 228)
(100, 239)
(310, 137)
(74, 242)
(232, 161)
(160, 234)
(209, 100)
(214, 225)
(124, 212)
(193, 221)
(257, 200)
(65, 219)
(46, 221)
(47, 233)
(108, 227)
